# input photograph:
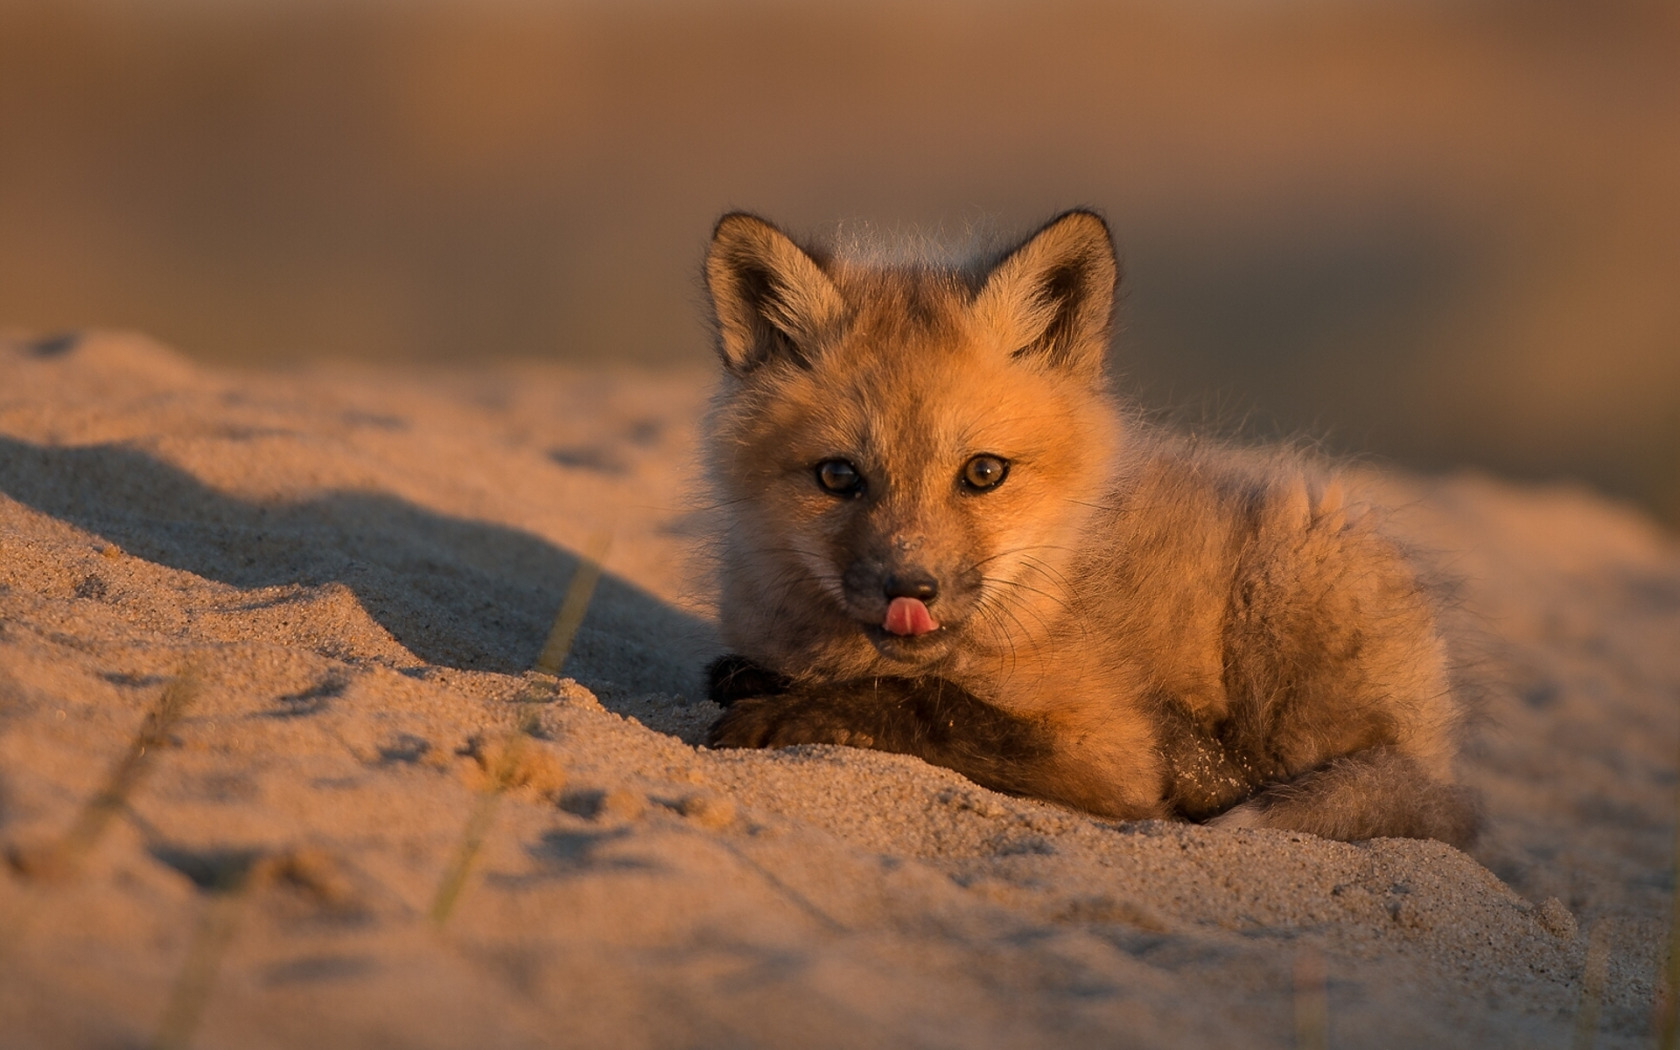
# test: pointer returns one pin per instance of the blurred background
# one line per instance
(1440, 233)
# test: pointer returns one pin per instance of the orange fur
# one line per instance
(1145, 625)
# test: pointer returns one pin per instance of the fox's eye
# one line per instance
(839, 477)
(984, 472)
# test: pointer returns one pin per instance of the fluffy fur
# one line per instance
(1131, 623)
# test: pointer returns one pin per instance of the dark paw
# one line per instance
(783, 721)
(731, 678)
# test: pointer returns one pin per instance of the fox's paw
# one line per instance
(731, 678)
(783, 721)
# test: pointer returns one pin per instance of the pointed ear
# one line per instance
(1052, 298)
(770, 298)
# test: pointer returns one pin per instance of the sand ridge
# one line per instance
(357, 567)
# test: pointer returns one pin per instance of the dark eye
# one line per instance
(984, 472)
(839, 477)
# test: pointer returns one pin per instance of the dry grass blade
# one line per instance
(197, 978)
(193, 985)
(574, 607)
(1312, 999)
(1592, 987)
(63, 858)
(539, 687)
(125, 775)
(472, 839)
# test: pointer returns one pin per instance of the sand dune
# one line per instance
(304, 605)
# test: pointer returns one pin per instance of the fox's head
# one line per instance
(908, 454)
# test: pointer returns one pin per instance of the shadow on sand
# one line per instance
(455, 592)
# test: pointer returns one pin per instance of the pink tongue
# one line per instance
(909, 616)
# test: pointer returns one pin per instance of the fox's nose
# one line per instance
(919, 585)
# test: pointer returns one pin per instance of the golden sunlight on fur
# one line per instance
(947, 538)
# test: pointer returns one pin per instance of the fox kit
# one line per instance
(946, 539)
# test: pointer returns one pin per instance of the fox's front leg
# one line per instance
(931, 718)
(731, 678)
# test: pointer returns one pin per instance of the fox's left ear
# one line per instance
(1052, 298)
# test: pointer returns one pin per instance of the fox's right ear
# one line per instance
(771, 299)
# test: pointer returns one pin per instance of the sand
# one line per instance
(274, 771)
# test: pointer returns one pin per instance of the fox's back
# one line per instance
(1244, 585)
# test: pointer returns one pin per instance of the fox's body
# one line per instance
(946, 539)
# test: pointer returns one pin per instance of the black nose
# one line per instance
(918, 585)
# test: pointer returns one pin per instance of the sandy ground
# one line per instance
(264, 643)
